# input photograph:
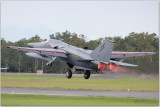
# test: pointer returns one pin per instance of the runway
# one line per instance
(79, 92)
(93, 76)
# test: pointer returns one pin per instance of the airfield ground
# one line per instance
(49, 100)
(134, 84)
(20, 80)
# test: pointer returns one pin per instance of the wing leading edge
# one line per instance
(130, 54)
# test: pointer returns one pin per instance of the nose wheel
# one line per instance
(68, 73)
(87, 74)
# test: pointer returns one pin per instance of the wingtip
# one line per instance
(153, 53)
(156, 52)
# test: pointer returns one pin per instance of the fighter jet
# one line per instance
(79, 59)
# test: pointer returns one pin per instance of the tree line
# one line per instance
(17, 61)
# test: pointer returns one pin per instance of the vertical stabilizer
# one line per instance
(103, 52)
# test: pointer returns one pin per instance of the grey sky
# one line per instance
(94, 19)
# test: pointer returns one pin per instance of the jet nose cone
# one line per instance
(30, 45)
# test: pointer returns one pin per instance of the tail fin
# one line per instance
(103, 52)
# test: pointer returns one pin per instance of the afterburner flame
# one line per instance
(114, 67)
(111, 67)
(103, 66)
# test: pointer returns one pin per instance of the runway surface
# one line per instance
(80, 92)
(106, 75)
(93, 76)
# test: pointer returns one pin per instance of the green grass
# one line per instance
(134, 84)
(9, 73)
(50, 100)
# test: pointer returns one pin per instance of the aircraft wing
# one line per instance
(130, 54)
(42, 51)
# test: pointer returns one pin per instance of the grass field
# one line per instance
(48, 100)
(134, 84)
(6, 73)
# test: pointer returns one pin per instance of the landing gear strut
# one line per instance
(87, 74)
(68, 73)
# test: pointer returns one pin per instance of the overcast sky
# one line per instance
(94, 19)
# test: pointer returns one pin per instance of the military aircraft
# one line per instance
(79, 59)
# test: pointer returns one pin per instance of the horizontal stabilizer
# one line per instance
(122, 63)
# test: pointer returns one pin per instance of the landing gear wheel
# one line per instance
(87, 74)
(68, 73)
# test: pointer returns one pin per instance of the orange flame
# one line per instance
(103, 66)
(111, 67)
(114, 67)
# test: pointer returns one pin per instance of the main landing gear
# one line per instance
(86, 75)
(68, 73)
